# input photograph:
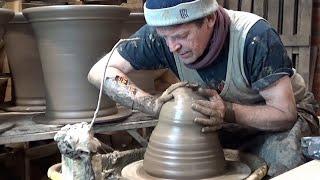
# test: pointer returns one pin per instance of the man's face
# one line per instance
(189, 40)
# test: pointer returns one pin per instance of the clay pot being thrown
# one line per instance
(177, 149)
(25, 66)
(71, 39)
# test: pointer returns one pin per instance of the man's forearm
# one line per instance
(264, 117)
(118, 86)
(121, 90)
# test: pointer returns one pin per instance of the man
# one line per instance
(238, 57)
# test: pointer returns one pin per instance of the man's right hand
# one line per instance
(152, 105)
(166, 96)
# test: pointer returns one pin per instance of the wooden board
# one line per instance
(295, 40)
(288, 17)
(258, 7)
(26, 130)
(273, 13)
(246, 5)
(304, 17)
(233, 4)
(306, 171)
(292, 20)
(303, 65)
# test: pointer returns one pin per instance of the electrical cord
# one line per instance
(104, 74)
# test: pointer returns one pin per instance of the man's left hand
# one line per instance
(214, 108)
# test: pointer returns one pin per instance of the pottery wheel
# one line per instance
(122, 114)
(235, 170)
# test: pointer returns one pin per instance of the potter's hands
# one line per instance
(152, 104)
(214, 108)
(166, 96)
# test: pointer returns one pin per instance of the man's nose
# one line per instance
(173, 46)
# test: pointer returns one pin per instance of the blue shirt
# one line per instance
(265, 57)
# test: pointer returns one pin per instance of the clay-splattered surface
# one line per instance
(27, 130)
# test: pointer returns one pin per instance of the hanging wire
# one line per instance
(104, 74)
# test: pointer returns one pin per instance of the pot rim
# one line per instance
(76, 12)
(136, 18)
(4, 10)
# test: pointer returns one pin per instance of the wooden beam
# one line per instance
(288, 17)
(133, 132)
(233, 4)
(41, 151)
(246, 5)
(304, 64)
(258, 7)
(304, 17)
(296, 40)
(273, 14)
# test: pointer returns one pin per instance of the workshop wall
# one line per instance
(316, 42)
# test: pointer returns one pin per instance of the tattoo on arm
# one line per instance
(121, 90)
(117, 89)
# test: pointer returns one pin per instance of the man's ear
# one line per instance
(211, 20)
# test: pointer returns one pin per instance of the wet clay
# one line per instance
(77, 145)
(177, 148)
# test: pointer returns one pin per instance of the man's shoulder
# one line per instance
(260, 27)
(146, 30)
(262, 31)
